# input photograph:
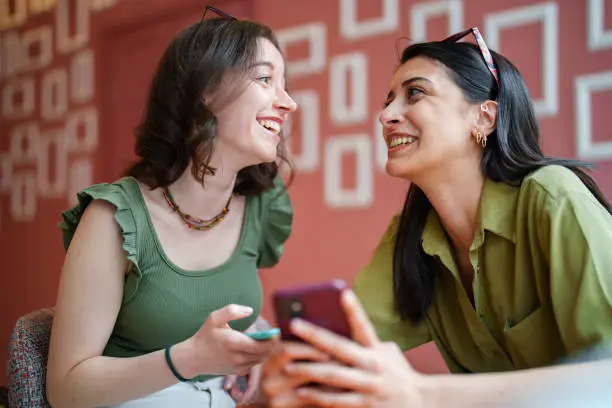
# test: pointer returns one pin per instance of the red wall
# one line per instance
(69, 103)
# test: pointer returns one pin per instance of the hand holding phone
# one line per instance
(318, 304)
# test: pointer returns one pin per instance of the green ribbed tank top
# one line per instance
(165, 304)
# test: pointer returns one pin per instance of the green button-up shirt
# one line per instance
(542, 258)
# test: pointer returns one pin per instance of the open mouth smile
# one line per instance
(270, 125)
(397, 142)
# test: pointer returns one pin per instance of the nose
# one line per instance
(285, 102)
(391, 116)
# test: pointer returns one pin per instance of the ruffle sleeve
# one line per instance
(114, 194)
(277, 224)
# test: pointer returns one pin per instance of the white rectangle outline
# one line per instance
(547, 14)
(584, 85)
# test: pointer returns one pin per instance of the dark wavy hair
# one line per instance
(511, 153)
(177, 126)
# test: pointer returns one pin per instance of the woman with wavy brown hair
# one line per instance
(161, 277)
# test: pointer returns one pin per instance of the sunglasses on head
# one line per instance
(218, 12)
(484, 50)
(208, 10)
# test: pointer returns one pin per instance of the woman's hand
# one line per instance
(244, 389)
(370, 373)
(218, 349)
(280, 388)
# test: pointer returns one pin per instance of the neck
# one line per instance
(203, 201)
(455, 195)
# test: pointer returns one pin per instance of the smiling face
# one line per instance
(427, 121)
(248, 127)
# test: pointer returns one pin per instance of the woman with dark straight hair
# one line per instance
(501, 255)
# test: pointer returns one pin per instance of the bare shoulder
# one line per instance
(98, 235)
(99, 214)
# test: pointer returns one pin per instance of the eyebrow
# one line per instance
(262, 63)
(408, 82)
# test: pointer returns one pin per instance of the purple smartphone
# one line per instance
(319, 304)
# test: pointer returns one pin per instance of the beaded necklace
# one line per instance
(193, 222)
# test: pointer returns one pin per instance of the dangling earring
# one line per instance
(480, 137)
(483, 140)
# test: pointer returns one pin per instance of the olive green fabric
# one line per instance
(164, 304)
(542, 258)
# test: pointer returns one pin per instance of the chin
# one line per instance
(266, 157)
(398, 170)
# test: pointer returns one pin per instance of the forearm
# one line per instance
(511, 389)
(102, 381)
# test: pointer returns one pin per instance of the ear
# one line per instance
(208, 100)
(487, 117)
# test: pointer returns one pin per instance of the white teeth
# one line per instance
(270, 125)
(397, 141)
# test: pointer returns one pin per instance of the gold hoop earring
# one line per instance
(480, 137)
(483, 140)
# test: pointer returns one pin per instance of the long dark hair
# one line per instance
(177, 126)
(512, 152)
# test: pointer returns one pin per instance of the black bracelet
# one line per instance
(171, 366)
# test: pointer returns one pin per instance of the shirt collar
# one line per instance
(497, 215)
